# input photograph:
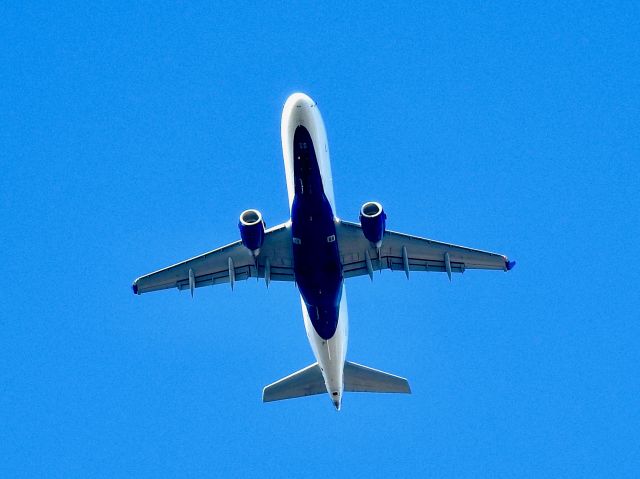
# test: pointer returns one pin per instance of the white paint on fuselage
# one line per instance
(298, 110)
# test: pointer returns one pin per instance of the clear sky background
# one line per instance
(132, 137)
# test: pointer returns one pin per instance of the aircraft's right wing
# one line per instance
(227, 264)
(403, 252)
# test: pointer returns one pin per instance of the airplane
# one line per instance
(318, 251)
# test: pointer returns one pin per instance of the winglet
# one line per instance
(134, 287)
(510, 265)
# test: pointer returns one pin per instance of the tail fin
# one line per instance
(306, 382)
(359, 378)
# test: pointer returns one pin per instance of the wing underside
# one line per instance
(403, 252)
(399, 252)
(227, 264)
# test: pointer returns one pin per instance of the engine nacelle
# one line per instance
(373, 222)
(252, 230)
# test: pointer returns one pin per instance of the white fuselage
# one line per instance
(300, 110)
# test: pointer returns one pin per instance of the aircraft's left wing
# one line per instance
(227, 264)
(403, 252)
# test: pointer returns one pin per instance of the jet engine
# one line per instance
(373, 222)
(252, 230)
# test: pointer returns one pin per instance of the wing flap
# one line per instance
(395, 263)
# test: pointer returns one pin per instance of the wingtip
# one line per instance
(134, 287)
(510, 265)
(264, 394)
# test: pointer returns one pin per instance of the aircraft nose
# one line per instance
(299, 100)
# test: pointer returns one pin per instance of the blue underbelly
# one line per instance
(316, 258)
(317, 266)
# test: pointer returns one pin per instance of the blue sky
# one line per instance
(133, 136)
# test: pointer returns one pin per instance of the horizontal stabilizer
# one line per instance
(359, 378)
(306, 382)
